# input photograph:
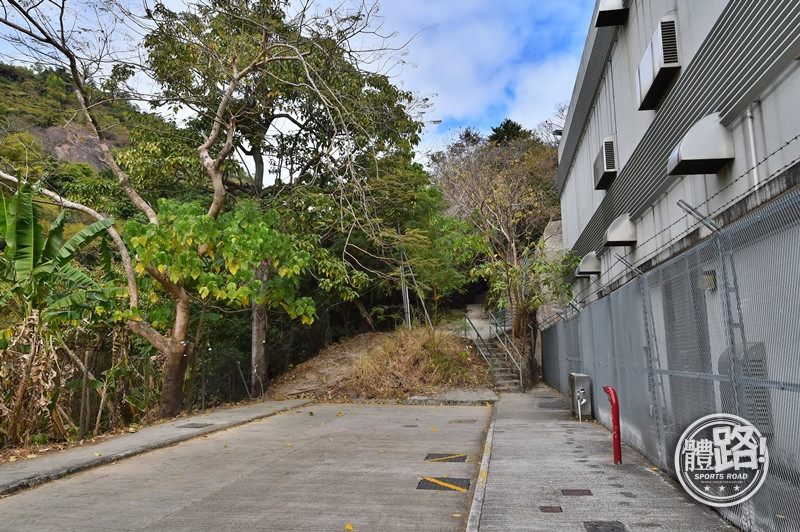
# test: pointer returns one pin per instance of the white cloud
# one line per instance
(540, 87)
(482, 61)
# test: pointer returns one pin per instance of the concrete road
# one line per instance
(320, 468)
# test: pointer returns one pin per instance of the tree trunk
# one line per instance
(177, 359)
(258, 377)
(172, 386)
(258, 349)
(532, 364)
(364, 314)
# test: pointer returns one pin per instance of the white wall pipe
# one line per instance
(751, 131)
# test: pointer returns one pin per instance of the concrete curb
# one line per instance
(456, 397)
(425, 401)
(43, 473)
(480, 487)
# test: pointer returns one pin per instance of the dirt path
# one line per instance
(316, 376)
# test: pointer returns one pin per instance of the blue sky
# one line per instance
(481, 61)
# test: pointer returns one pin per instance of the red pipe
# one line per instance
(615, 434)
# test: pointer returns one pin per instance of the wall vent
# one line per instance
(705, 149)
(589, 265)
(660, 64)
(754, 401)
(605, 165)
(621, 232)
(611, 13)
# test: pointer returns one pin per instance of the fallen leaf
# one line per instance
(32, 456)
(456, 515)
(654, 468)
(381, 451)
(311, 413)
(339, 414)
(348, 526)
(434, 429)
(97, 454)
(12, 459)
(224, 446)
(288, 445)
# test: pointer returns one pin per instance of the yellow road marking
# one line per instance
(443, 458)
(444, 484)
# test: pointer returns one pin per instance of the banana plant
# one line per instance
(32, 263)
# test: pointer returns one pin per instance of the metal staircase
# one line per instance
(504, 367)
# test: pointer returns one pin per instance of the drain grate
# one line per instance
(467, 421)
(410, 426)
(551, 509)
(576, 492)
(444, 483)
(194, 425)
(553, 405)
(446, 457)
(604, 526)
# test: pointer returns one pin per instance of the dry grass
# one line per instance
(413, 362)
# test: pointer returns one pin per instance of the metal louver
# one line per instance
(660, 64)
(605, 166)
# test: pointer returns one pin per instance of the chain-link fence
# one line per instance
(714, 330)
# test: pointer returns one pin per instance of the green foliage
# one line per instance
(233, 246)
(541, 276)
(162, 159)
(507, 131)
(36, 269)
(46, 98)
(43, 294)
(22, 155)
(440, 249)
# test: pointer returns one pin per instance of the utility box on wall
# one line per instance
(580, 395)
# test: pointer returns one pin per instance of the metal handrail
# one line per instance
(506, 342)
(483, 353)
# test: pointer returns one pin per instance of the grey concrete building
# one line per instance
(678, 173)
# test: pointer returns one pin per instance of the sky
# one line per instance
(481, 61)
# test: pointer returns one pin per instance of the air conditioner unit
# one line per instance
(660, 64)
(605, 165)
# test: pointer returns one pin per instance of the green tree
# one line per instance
(508, 131)
(213, 59)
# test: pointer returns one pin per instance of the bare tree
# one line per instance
(507, 190)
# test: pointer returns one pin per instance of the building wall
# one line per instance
(661, 321)
(605, 103)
